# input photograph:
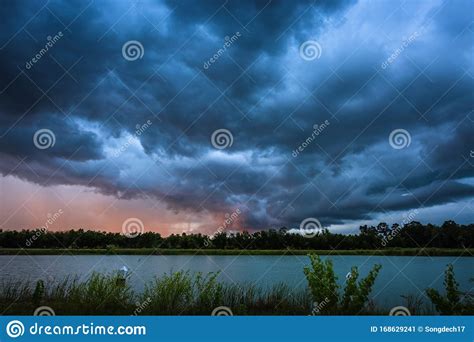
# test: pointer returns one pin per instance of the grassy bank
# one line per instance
(185, 293)
(157, 251)
(175, 294)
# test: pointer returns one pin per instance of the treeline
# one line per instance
(411, 235)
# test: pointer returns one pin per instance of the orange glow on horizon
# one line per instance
(28, 206)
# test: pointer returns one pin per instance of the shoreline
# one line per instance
(286, 252)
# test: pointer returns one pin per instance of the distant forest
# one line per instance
(411, 235)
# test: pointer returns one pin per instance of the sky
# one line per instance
(183, 114)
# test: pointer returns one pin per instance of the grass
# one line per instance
(158, 251)
(178, 293)
(183, 293)
(99, 294)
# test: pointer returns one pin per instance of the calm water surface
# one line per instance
(399, 275)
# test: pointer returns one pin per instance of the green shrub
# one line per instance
(454, 303)
(323, 285)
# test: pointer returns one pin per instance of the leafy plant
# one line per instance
(323, 285)
(322, 282)
(454, 303)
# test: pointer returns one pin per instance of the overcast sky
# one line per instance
(178, 113)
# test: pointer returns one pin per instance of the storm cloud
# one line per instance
(312, 130)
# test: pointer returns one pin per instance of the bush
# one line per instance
(322, 282)
(455, 303)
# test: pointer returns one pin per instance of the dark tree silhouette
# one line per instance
(411, 235)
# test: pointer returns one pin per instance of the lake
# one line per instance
(400, 275)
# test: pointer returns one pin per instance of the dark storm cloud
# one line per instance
(260, 89)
